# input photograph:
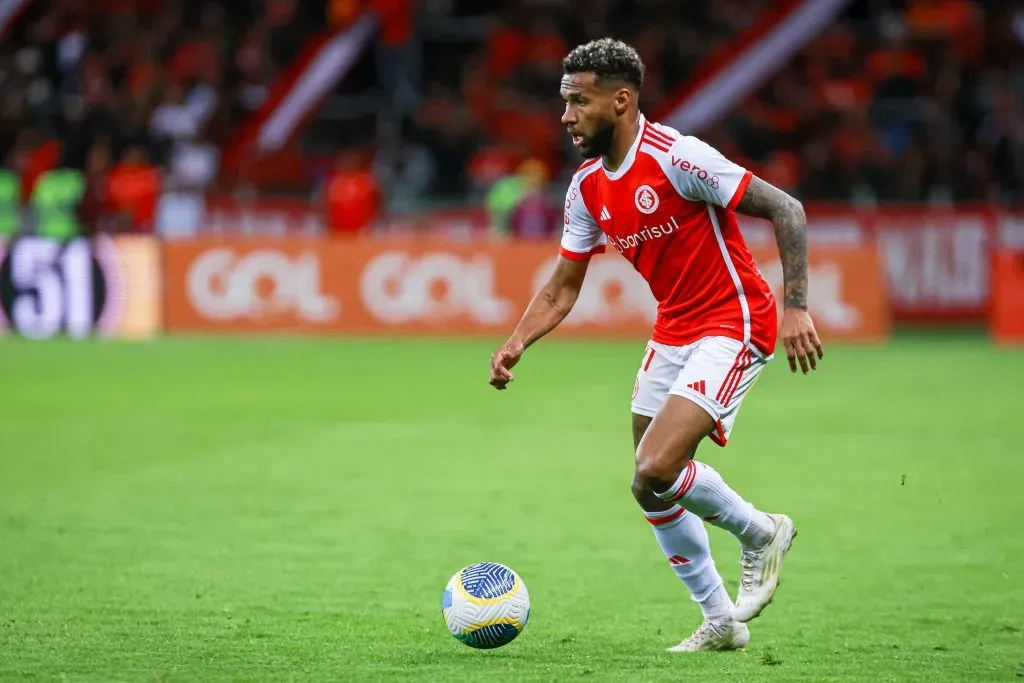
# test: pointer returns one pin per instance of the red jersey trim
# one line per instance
(718, 434)
(740, 191)
(578, 256)
(652, 132)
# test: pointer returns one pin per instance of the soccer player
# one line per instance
(667, 202)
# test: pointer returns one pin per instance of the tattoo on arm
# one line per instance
(763, 200)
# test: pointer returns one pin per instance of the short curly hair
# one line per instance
(608, 59)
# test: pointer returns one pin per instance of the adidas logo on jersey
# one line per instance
(605, 216)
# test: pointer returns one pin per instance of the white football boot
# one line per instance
(715, 635)
(761, 567)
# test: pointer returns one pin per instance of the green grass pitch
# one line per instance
(242, 510)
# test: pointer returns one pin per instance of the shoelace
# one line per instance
(748, 560)
(705, 633)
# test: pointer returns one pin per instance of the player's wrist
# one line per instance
(516, 342)
(795, 305)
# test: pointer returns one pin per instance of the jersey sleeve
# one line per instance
(701, 173)
(581, 236)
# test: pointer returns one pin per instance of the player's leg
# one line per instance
(681, 534)
(762, 554)
(703, 402)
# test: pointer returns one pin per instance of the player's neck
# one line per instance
(624, 139)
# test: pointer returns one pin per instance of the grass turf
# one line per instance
(215, 510)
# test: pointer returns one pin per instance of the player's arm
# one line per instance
(581, 239)
(763, 200)
(702, 173)
(548, 308)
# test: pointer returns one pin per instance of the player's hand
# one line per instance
(502, 362)
(801, 340)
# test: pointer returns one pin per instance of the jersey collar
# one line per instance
(627, 163)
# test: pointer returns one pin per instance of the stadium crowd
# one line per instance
(898, 102)
(107, 106)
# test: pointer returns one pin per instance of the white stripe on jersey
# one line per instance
(653, 151)
(665, 131)
(733, 274)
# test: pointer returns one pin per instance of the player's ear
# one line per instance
(623, 98)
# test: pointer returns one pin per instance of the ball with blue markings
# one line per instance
(486, 605)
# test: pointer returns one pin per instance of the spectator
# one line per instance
(55, 199)
(507, 193)
(93, 210)
(352, 195)
(534, 216)
(134, 187)
(10, 198)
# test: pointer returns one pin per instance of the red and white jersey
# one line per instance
(669, 210)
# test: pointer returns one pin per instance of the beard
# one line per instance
(600, 142)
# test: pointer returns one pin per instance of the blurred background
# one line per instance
(316, 219)
(899, 121)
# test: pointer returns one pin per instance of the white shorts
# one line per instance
(713, 372)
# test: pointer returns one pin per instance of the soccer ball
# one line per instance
(485, 605)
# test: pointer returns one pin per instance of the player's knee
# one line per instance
(645, 497)
(654, 473)
(641, 493)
